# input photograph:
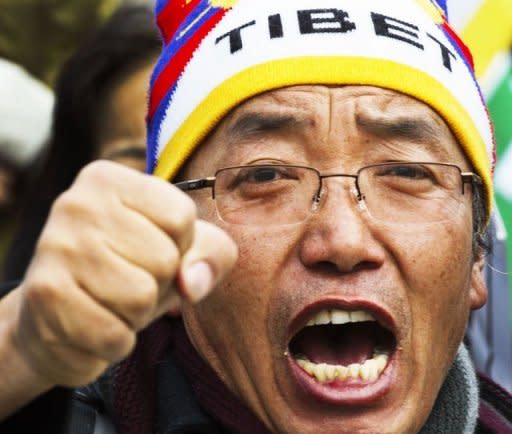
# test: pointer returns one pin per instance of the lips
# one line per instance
(343, 354)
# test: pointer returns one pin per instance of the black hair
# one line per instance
(481, 245)
(127, 41)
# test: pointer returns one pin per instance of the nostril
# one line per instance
(365, 265)
(326, 267)
(330, 268)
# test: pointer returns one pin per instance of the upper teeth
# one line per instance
(338, 316)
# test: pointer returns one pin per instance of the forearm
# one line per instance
(19, 382)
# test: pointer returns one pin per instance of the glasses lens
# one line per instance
(265, 195)
(412, 192)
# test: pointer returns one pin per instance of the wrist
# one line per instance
(20, 382)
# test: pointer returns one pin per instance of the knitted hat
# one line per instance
(26, 107)
(219, 53)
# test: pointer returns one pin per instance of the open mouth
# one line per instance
(343, 347)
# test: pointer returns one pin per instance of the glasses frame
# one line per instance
(209, 182)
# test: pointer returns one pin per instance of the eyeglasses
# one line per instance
(280, 194)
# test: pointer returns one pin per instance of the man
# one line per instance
(343, 152)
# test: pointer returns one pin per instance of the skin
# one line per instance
(423, 276)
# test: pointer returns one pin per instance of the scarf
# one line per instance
(135, 389)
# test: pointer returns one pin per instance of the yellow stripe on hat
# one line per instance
(433, 11)
(330, 71)
(223, 3)
(489, 32)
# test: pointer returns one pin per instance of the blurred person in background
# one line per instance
(25, 120)
(99, 113)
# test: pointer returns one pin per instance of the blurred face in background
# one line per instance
(123, 131)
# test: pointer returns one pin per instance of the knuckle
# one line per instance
(74, 206)
(65, 202)
(187, 214)
(98, 171)
(57, 246)
(42, 291)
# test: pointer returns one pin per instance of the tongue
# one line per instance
(337, 345)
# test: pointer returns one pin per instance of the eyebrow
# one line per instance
(252, 125)
(417, 130)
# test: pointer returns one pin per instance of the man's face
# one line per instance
(415, 283)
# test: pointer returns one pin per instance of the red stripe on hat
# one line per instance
(175, 67)
(463, 47)
(172, 15)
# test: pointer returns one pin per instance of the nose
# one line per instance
(338, 236)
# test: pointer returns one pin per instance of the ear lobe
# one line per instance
(478, 287)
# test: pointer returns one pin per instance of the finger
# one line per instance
(125, 288)
(128, 291)
(212, 254)
(136, 239)
(160, 202)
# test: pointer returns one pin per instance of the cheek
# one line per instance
(242, 301)
(253, 281)
(436, 267)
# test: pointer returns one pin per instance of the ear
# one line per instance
(478, 287)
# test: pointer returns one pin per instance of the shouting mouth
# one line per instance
(344, 356)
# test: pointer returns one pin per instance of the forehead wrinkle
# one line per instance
(412, 129)
(253, 125)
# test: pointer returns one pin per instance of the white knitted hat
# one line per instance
(26, 107)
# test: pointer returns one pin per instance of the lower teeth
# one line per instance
(369, 371)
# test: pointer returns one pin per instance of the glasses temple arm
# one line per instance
(470, 178)
(195, 184)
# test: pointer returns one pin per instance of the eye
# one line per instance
(406, 171)
(405, 178)
(264, 174)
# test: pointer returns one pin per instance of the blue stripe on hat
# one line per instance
(444, 6)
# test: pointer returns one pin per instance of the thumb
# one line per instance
(213, 253)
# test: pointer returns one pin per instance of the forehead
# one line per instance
(292, 98)
(303, 117)
(310, 103)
